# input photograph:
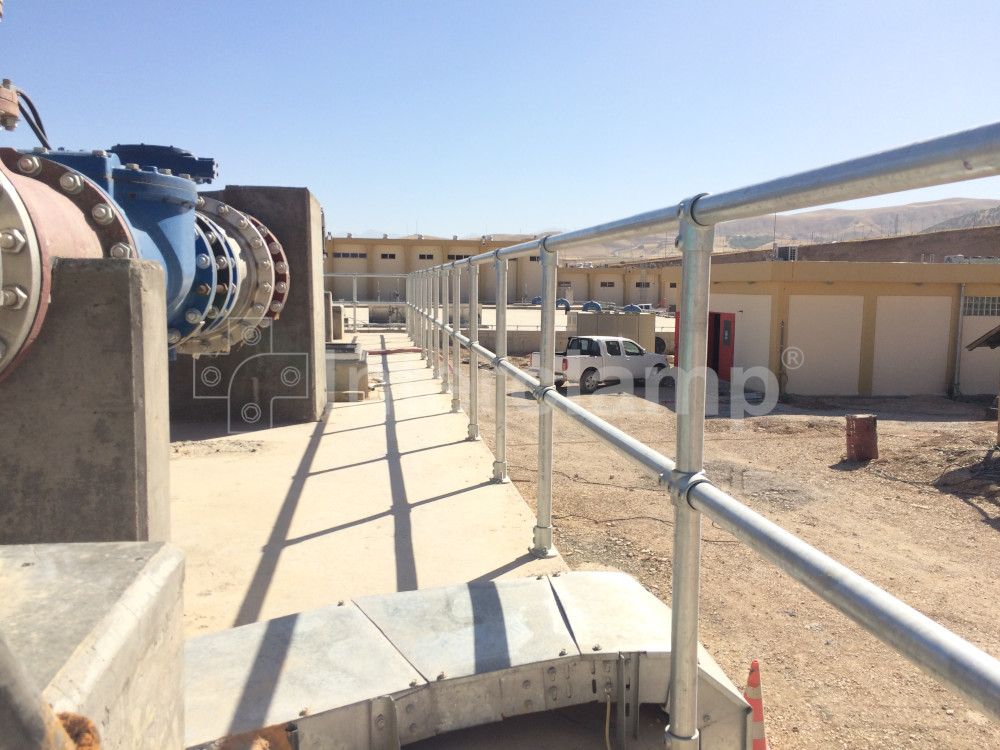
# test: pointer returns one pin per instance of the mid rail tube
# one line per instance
(972, 673)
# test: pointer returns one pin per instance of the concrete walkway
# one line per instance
(382, 495)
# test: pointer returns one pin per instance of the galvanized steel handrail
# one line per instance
(967, 155)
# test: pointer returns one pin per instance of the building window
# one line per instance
(534, 258)
(673, 284)
(607, 284)
(426, 256)
(457, 257)
(982, 306)
(642, 285)
(338, 255)
(388, 256)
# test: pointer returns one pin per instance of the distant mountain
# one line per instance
(809, 227)
(989, 217)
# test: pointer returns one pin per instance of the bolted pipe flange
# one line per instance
(71, 183)
(121, 250)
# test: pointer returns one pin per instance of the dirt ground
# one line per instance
(922, 521)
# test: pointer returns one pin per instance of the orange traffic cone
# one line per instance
(755, 698)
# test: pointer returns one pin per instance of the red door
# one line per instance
(726, 337)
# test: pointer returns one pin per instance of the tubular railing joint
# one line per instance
(540, 391)
(685, 210)
(680, 483)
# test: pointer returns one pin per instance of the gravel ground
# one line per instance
(921, 521)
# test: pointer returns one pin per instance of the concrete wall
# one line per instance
(911, 345)
(979, 371)
(84, 445)
(281, 378)
(753, 326)
(521, 343)
(827, 332)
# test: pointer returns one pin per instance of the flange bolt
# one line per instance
(121, 250)
(103, 214)
(71, 183)
(203, 261)
(14, 297)
(11, 240)
(173, 336)
(192, 316)
(29, 164)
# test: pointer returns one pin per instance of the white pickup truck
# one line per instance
(592, 360)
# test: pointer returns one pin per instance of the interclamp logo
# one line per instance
(251, 379)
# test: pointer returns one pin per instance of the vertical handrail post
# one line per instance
(542, 545)
(354, 298)
(456, 348)
(695, 243)
(435, 334)
(425, 310)
(500, 390)
(473, 357)
(419, 308)
(411, 330)
(445, 310)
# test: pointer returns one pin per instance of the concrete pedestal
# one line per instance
(281, 378)
(84, 445)
(98, 629)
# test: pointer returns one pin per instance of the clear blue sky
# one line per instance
(508, 116)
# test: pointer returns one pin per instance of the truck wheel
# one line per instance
(589, 381)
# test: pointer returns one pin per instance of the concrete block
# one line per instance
(99, 630)
(328, 316)
(337, 322)
(281, 378)
(84, 450)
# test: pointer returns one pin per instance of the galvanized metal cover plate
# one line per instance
(474, 628)
(270, 672)
(610, 612)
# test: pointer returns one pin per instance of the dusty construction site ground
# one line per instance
(922, 521)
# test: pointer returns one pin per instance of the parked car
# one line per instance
(593, 360)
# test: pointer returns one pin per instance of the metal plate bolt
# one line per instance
(103, 214)
(29, 164)
(14, 297)
(71, 183)
(11, 240)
